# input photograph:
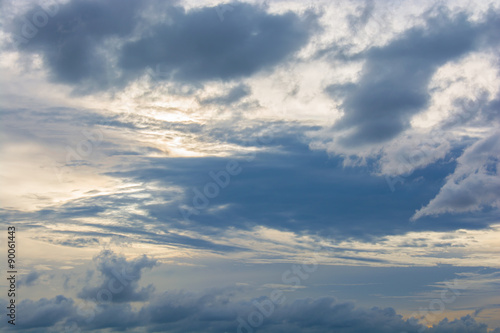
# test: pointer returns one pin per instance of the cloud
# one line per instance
(474, 112)
(117, 317)
(475, 183)
(379, 109)
(217, 311)
(197, 45)
(30, 279)
(225, 309)
(43, 313)
(416, 151)
(96, 46)
(394, 80)
(465, 324)
(73, 41)
(234, 95)
(250, 63)
(119, 279)
(261, 195)
(357, 22)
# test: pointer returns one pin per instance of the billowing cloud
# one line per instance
(119, 279)
(217, 312)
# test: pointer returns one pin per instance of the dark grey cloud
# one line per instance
(41, 314)
(96, 45)
(394, 80)
(221, 310)
(198, 45)
(216, 311)
(72, 40)
(75, 241)
(361, 259)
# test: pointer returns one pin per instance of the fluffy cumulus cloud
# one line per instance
(119, 279)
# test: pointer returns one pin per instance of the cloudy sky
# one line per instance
(262, 166)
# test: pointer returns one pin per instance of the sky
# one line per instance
(257, 166)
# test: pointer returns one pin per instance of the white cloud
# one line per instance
(474, 185)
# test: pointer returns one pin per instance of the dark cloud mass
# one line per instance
(82, 41)
(215, 310)
(72, 42)
(394, 81)
(200, 45)
(42, 314)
